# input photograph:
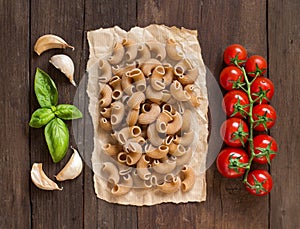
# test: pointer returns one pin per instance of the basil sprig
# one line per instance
(50, 114)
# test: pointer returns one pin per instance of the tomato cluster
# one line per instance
(246, 104)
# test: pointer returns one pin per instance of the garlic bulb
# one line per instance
(50, 41)
(72, 169)
(65, 64)
(40, 179)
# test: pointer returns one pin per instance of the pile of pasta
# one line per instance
(146, 102)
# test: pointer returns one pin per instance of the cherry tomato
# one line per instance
(231, 162)
(256, 65)
(236, 103)
(265, 148)
(230, 76)
(262, 87)
(264, 116)
(259, 182)
(233, 52)
(234, 132)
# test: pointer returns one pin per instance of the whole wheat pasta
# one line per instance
(122, 157)
(133, 157)
(124, 187)
(185, 158)
(157, 97)
(111, 172)
(132, 117)
(174, 126)
(137, 181)
(195, 100)
(169, 74)
(153, 135)
(105, 124)
(117, 54)
(149, 113)
(138, 77)
(162, 121)
(156, 79)
(106, 112)
(115, 83)
(132, 146)
(136, 99)
(182, 66)
(143, 53)
(120, 71)
(163, 167)
(177, 150)
(170, 187)
(188, 179)
(127, 85)
(131, 49)
(186, 139)
(128, 132)
(158, 48)
(142, 167)
(111, 150)
(148, 66)
(173, 51)
(117, 112)
(178, 93)
(156, 152)
(189, 77)
(105, 71)
(187, 118)
(105, 95)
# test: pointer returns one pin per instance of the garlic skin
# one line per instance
(40, 179)
(65, 64)
(72, 169)
(50, 41)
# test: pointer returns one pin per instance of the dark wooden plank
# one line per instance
(14, 144)
(219, 23)
(284, 62)
(64, 18)
(99, 213)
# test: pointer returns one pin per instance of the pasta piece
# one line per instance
(122, 157)
(128, 132)
(187, 118)
(132, 117)
(138, 77)
(111, 150)
(157, 97)
(105, 71)
(177, 150)
(111, 171)
(127, 85)
(185, 158)
(156, 79)
(139, 139)
(189, 77)
(195, 100)
(153, 135)
(148, 66)
(170, 187)
(188, 180)
(106, 112)
(131, 49)
(182, 66)
(173, 51)
(178, 93)
(163, 167)
(124, 187)
(168, 141)
(158, 48)
(149, 114)
(174, 126)
(117, 54)
(169, 74)
(105, 124)
(115, 83)
(156, 153)
(132, 146)
(144, 53)
(117, 70)
(133, 157)
(124, 170)
(186, 140)
(117, 112)
(105, 95)
(138, 182)
(169, 108)
(162, 121)
(142, 168)
(136, 99)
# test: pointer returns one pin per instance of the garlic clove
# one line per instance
(65, 64)
(40, 179)
(72, 169)
(50, 41)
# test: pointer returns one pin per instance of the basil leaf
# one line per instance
(45, 89)
(41, 117)
(57, 138)
(68, 112)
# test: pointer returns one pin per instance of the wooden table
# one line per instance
(269, 28)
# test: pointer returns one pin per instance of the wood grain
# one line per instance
(284, 67)
(14, 106)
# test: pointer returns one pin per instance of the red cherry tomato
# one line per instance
(259, 182)
(236, 103)
(230, 76)
(256, 65)
(264, 116)
(231, 162)
(234, 132)
(265, 148)
(262, 87)
(235, 51)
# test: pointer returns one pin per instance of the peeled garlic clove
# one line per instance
(72, 169)
(40, 179)
(50, 41)
(65, 64)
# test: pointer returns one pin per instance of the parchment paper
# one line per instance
(101, 44)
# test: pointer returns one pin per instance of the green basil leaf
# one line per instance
(45, 89)
(41, 117)
(57, 138)
(68, 112)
